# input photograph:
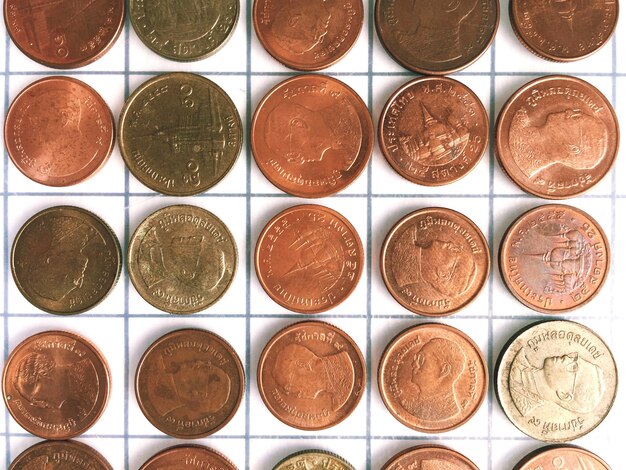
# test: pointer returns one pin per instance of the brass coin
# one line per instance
(429, 457)
(182, 259)
(65, 260)
(557, 457)
(66, 455)
(556, 381)
(189, 383)
(180, 134)
(188, 457)
(56, 384)
(313, 459)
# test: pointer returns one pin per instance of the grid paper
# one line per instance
(124, 325)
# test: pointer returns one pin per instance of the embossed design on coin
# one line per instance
(432, 378)
(62, 455)
(311, 375)
(556, 381)
(188, 457)
(182, 259)
(559, 457)
(313, 460)
(429, 457)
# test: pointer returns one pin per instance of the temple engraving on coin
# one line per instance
(313, 460)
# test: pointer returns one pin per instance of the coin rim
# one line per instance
(428, 447)
(556, 447)
(174, 449)
(313, 451)
(76, 446)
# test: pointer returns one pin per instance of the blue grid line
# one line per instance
(5, 203)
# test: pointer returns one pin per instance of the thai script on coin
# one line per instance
(560, 457)
(313, 459)
(429, 457)
(188, 457)
(65, 455)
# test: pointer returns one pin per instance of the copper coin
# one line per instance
(188, 457)
(189, 383)
(556, 381)
(554, 258)
(65, 455)
(313, 460)
(432, 378)
(562, 457)
(557, 136)
(436, 37)
(56, 384)
(65, 260)
(563, 30)
(312, 135)
(308, 258)
(61, 34)
(307, 35)
(59, 131)
(311, 375)
(432, 457)
(435, 261)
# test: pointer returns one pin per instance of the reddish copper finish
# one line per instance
(188, 457)
(562, 457)
(429, 457)
(62, 455)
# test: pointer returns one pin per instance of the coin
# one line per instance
(307, 35)
(66, 455)
(429, 457)
(65, 260)
(189, 383)
(436, 38)
(554, 258)
(432, 378)
(59, 131)
(311, 135)
(308, 258)
(565, 30)
(562, 457)
(557, 136)
(64, 35)
(435, 261)
(556, 381)
(180, 134)
(182, 259)
(56, 384)
(313, 459)
(188, 456)
(191, 30)
(311, 375)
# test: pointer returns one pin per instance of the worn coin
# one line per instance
(436, 37)
(189, 383)
(309, 258)
(312, 460)
(431, 457)
(180, 134)
(554, 258)
(188, 457)
(182, 259)
(56, 384)
(312, 135)
(559, 457)
(311, 375)
(557, 136)
(59, 131)
(432, 378)
(65, 260)
(556, 381)
(63, 455)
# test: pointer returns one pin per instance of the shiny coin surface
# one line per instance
(311, 375)
(64, 35)
(563, 30)
(556, 381)
(56, 384)
(65, 260)
(432, 378)
(562, 457)
(554, 258)
(309, 258)
(59, 131)
(307, 35)
(312, 135)
(435, 261)
(189, 383)
(180, 134)
(429, 457)
(182, 259)
(436, 37)
(557, 136)
(184, 31)
(433, 130)
(188, 457)
(313, 460)
(63, 455)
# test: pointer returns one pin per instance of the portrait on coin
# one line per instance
(301, 25)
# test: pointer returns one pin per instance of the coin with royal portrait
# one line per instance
(190, 457)
(429, 457)
(62, 455)
(558, 457)
(313, 459)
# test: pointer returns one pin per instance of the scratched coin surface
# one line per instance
(435, 261)
(188, 457)
(309, 258)
(557, 137)
(65, 260)
(432, 378)
(62, 455)
(307, 35)
(182, 259)
(180, 134)
(563, 30)
(184, 30)
(558, 457)
(311, 375)
(313, 460)
(556, 381)
(56, 384)
(554, 258)
(436, 37)
(189, 383)
(312, 135)
(429, 457)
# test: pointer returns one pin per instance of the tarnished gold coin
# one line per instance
(190, 457)
(313, 459)
(429, 457)
(556, 381)
(562, 457)
(62, 455)
(180, 134)
(182, 259)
